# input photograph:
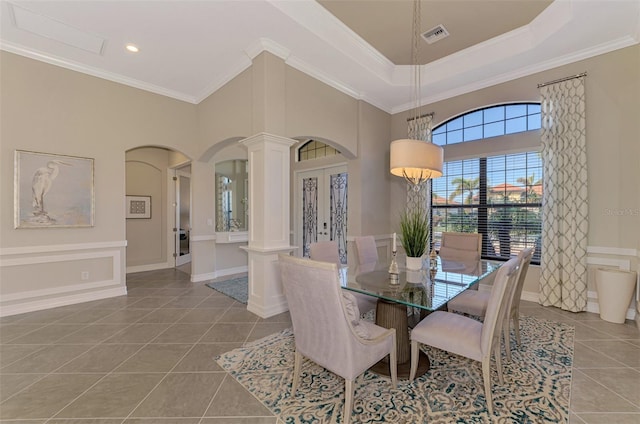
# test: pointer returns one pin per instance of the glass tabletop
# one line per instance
(424, 288)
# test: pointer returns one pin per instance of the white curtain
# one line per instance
(563, 279)
(419, 129)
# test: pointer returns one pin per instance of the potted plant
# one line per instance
(414, 236)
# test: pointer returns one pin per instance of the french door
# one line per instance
(321, 208)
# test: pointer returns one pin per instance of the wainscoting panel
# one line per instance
(43, 277)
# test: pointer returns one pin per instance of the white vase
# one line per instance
(414, 263)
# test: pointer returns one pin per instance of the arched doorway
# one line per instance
(152, 241)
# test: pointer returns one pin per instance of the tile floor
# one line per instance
(148, 358)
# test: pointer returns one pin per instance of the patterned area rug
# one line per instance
(536, 390)
(236, 288)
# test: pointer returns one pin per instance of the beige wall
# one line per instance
(314, 110)
(54, 110)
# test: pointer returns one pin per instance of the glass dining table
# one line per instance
(405, 300)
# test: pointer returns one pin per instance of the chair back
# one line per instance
(462, 241)
(367, 250)
(324, 251)
(525, 257)
(321, 330)
(496, 306)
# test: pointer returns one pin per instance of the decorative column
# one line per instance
(269, 224)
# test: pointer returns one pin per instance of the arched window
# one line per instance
(313, 149)
(492, 121)
(499, 196)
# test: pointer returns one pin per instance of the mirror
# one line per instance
(232, 209)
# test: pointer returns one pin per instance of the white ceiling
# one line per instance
(189, 49)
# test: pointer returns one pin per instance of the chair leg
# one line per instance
(516, 326)
(486, 376)
(297, 364)
(393, 363)
(507, 338)
(348, 400)
(498, 356)
(414, 360)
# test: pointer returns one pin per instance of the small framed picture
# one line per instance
(138, 207)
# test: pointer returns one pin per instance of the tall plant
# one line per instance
(414, 232)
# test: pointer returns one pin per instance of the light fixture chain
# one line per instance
(415, 51)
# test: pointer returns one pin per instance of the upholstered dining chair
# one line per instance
(464, 247)
(466, 336)
(513, 310)
(327, 251)
(367, 253)
(475, 302)
(461, 246)
(327, 327)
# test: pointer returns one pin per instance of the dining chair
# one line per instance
(327, 251)
(367, 253)
(513, 310)
(464, 247)
(461, 246)
(475, 303)
(327, 328)
(466, 336)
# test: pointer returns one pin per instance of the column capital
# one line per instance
(267, 137)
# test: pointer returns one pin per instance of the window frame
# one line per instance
(482, 150)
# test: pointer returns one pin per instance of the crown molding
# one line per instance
(267, 45)
(56, 61)
(363, 73)
(316, 73)
(331, 30)
(232, 72)
(620, 43)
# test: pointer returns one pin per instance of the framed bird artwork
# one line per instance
(53, 190)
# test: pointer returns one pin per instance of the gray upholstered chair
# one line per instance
(464, 247)
(475, 302)
(367, 253)
(466, 336)
(327, 251)
(327, 328)
(461, 246)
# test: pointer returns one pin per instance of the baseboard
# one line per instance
(272, 310)
(592, 303)
(59, 291)
(149, 267)
(197, 278)
(38, 305)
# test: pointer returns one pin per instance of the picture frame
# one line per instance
(138, 207)
(53, 191)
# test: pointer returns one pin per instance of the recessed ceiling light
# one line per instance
(132, 48)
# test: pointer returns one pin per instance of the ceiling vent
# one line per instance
(435, 34)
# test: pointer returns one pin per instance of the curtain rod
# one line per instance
(431, 114)
(584, 74)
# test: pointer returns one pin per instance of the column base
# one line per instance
(266, 297)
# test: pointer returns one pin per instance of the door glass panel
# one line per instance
(338, 212)
(309, 213)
